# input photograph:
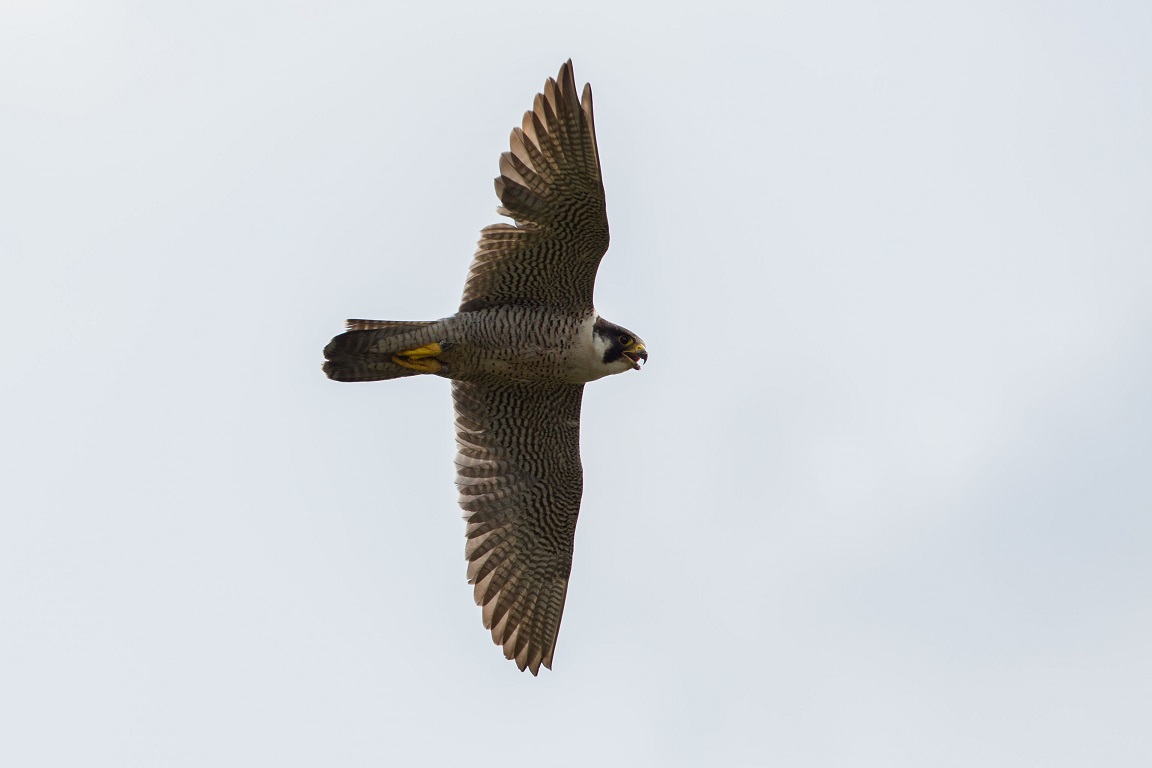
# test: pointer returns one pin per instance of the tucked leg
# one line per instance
(422, 359)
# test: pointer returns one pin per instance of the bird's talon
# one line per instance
(422, 359)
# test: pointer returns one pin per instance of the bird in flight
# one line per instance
(519, 351)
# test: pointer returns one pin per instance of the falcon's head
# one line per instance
(619, 348)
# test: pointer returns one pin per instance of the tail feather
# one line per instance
(375, 368)
(373, 325)
(364, 352)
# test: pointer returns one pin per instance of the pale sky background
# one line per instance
(882, 497)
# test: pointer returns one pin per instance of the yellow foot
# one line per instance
(422, 359)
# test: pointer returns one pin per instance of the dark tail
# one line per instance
(365, 352)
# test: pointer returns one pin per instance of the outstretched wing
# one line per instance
(550, 185)
(518, 471)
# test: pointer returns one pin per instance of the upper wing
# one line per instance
(550, 185)
(518, 471)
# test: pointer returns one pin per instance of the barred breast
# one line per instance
(523, 343)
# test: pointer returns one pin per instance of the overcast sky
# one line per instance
(882, 496)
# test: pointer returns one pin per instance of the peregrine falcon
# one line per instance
(520, 349)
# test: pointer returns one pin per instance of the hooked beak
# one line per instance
(635, 353)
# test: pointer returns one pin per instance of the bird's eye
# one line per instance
(624, 339)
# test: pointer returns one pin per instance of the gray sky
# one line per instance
(881, 498)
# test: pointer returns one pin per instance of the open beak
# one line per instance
(634, 354)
